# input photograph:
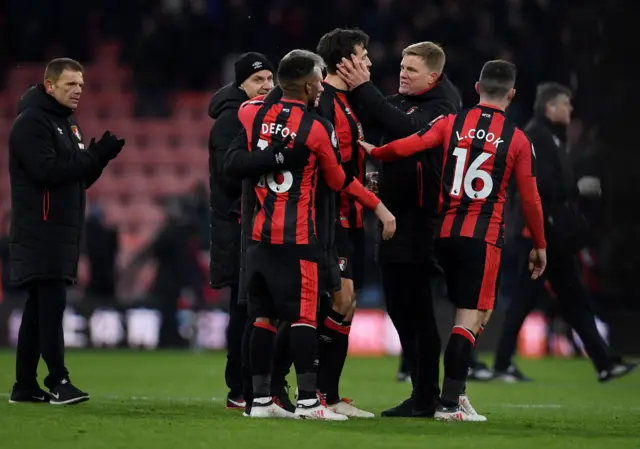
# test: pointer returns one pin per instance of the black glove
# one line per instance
(107, 147)
(289, 158)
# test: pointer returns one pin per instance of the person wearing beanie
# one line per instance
(253, 77)
(254, 74)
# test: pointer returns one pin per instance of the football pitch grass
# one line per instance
(175, 400)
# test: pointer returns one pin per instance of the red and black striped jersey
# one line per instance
(335, 108)
(285, 210)
(482, 150)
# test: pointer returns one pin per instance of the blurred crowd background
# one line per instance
(153, 65)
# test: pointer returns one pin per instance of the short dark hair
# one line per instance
(497, 78)
(57, 66)
(546, 93)
(296, 66)
(338, 44)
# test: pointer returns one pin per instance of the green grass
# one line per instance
(175, 400)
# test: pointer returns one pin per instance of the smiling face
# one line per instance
(260, 83)
(67, 88)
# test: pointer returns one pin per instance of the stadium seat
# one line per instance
(162, 156)
(107, 105)
(23, 76)
(106, 78)
(108, 53)
(193, 127)
(191, 105)
(9, 104)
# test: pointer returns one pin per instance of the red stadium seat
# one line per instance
(106, 105)
(191, 105)
(9, 104)
(25, 75)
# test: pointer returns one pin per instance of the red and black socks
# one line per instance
(304, 351)
(262, 348)
(457, 358)
(333, 344)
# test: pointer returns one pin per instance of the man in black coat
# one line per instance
(410, 188)
(50, 170)
(253, 77)
(559, 192)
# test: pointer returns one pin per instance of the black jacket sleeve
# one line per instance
(396, 123)
(224, 131)
(30, 143)
(547, 164)
(240, 163)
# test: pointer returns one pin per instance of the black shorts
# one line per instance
(471, 268)
(283, 281)
(350, 246)
(330, 281)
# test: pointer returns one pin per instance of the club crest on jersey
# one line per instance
(412, 110)
(76, 132)
(342, 263)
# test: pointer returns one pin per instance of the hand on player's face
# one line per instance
(353, 72)
(366, 145)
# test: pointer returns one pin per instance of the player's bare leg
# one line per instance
(457, 358)
(261, 353)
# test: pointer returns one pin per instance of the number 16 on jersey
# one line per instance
(467, 178)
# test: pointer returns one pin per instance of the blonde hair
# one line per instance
(432, 53)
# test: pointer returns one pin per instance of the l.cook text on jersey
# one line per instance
(482, 135)
(276, 128)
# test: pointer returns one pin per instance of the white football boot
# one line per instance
(266, 408)
(346, 407)
(468, 409)
(452, 414)
(317, 409)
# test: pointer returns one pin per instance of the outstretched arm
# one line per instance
(429, 137)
